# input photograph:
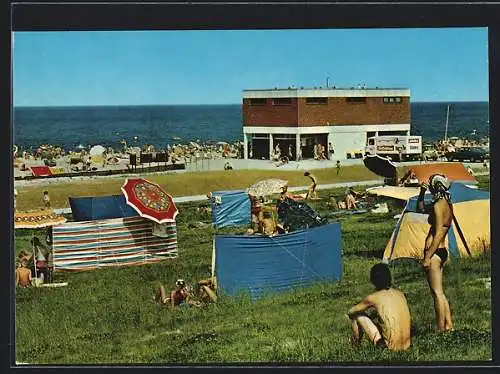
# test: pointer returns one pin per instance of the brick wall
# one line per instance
(338, 111)
(269, 114)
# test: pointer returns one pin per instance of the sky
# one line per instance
(70, 68)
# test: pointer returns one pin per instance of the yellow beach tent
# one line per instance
(468, 236)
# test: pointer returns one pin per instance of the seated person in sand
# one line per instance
(179, 296)
(383, 315)
(23, 275)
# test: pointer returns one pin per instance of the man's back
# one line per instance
(23, 277)
(394, 314)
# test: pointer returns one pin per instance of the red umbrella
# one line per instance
(149, 200)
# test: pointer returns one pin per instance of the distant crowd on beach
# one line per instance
(98, 157)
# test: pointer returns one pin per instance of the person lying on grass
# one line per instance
(383, 315)
(207, 290)
(179, 296)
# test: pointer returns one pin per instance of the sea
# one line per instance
(70, 127)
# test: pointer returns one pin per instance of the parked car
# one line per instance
(470, 154)
(430, 153)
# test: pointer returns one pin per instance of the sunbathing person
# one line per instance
(23, 275)
(179, 296)
(267, 223)
(383, 315)
(350, 198)
(207, 289)
(435, 252)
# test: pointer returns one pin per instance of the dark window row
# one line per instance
(316, 100)
(355, 99)
(282, 101)
(276, 101)
(392, 100)
(258, 101)
(319, 100)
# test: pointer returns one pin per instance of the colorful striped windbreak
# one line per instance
(86, 245)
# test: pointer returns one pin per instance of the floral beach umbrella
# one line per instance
(149, 200)
(37, 219)
(266, 187)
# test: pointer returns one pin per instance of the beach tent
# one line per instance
(472, 212)
(107, 232)
(97, 150)
(100, 207)
(399, 193)
(231, 208)
(259, 265)
(454, 171)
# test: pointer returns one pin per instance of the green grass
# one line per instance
(184, 184)
(107, 316)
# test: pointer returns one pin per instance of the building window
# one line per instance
(355, 99)
(258, 101)
(392, 100)
(370, 134)
(282, 101)
(316, 100)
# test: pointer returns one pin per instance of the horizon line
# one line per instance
(218, 104)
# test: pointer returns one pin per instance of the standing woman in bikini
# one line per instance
(435, 252)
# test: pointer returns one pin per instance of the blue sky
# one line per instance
(213, 67)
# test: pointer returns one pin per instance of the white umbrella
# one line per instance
(97, 150)
(266, 187)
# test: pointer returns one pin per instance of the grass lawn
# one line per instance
(184, 184)
(108, 316)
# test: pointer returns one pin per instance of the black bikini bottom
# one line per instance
(442, 253)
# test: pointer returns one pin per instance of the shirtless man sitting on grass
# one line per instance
(23, 275)
(383, 315)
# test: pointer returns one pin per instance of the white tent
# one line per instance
(97, 150)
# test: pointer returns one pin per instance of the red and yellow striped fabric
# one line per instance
(86, 245)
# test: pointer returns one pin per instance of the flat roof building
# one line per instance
(340, 119)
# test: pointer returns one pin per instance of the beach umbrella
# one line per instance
(149, 200)
(379, 165)
(35, 220)
(266, 187)
(221, 143)
(97, 150)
